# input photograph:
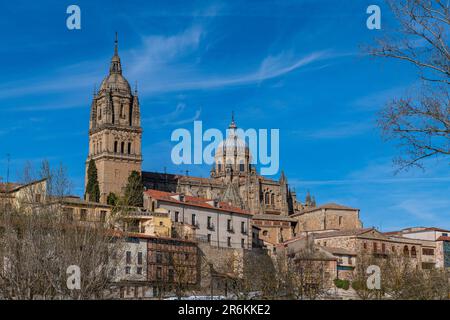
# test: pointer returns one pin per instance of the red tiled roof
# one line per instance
(442, 238)
(8, 187)
(194, 201)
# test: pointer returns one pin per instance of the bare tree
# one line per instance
(420, 122)
(38, 243)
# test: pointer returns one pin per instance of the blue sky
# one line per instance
(293, 65)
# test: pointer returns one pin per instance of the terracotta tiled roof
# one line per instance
(442, 238)
(8, 187)
(273, 217)
(194, 201)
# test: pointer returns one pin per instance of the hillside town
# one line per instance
(235, 234)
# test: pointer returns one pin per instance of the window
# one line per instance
(99, 111)
(445, 234)
(219, 167)
(406, 251)
(243, 243)
(176, 216)
(340, 220)
(243, 231)
(127, 270)
(272, 199)
(209, 223)
(241, 167)
(115, 146)
(194, 222)
(158, 257)
(229, 241)
(122, 147)
(139, 270)
(324, 243)
(37, 197)
(375, 247)
(383, 248)
(129, 147)
(266, 198)
(365, 245)
(83, 214)
(413, 252)
(428, 252)
(159, 273)
(171, 275)
(103, 216)
(139, 258)
(209, 238)
(128, 257)
(229, 225)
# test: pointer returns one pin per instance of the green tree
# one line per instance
(92, 187)
(134, 190)
(112, 199)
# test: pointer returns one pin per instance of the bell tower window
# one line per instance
(115, 146)
(122, 147)
(129, 147)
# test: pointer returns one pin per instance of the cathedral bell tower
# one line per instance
(114, 131)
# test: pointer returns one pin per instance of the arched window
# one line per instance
(272, 199)
(115, 146)
(122, 147)
(266, 198)
(406, 251)
(94, 148)
(413, 251)
(99, 112)
(100, 147)
(129, 147)
(121, 111)
(241, 167)
(219, 166)
(340, 220)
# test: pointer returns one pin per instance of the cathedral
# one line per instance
(115, 137)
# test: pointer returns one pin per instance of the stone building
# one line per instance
(215, 222)
(114, 131)
(233, 179)
(327, 217)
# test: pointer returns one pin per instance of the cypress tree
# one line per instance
(134, 191)
(92, 187)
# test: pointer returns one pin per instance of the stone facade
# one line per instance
(115, 131)
(216, 223)
(232, 179)
(327, 217)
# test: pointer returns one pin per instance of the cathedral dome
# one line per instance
(232, 150)
(115, 80)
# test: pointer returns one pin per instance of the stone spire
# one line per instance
(232, 124)
(115, 66)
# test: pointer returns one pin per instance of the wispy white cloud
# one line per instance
(173, 118)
